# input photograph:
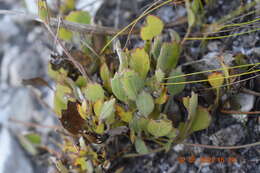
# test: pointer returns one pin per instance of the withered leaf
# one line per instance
(71, 119)
(36, 82)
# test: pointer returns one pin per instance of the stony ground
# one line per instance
(24, 53)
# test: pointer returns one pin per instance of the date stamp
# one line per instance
(207, 159)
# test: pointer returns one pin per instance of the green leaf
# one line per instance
(139, 124)
(190, 13)
(175, 37)
(176, 88)
(81, 17)
(94, 92)
(125, 116)
(193, 104)
(159, 74)
(61, 168)
(81, 82)
(43, 10)
(105, 75)
(173, 133)
(123, 57)
(60, 98)
(140, 146)
(108, 109)
(140, 62)
(67, 6)
(33, 138)
(159, 128)
(27, 145)
(81, 161)
(100, 129)
(117, 88)
(169, 56)
(156, 47)
(145, 103)
(202, 120)
(216, 79)
(98, 107)
(65, 34)
(153, 28)
(132, 84)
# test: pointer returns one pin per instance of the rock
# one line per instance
(91, 6)
(31, 6)
(17, 104)
(214, 45)
(7, 28)
(27, 66)
(212, 61)
(229, 136)
(12, 159)
(246, 103)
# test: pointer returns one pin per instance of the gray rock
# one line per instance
(93, 6)
(246, 102)
(8, 28)
(229, 136)
(18, 104)
(12, 159)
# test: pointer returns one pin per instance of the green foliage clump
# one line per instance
(125, 96)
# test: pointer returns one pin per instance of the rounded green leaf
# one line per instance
(67, 5)
(108, 109)
(140, 146)
(145, 103)
(169, 56)
(153, 28)
(60, 99)
(132, 84)
(117, 88)
(94, 92)
(81, 17)
(140, 62)
(65, 34)
(202, 119)
(159, 128)
(173, 78)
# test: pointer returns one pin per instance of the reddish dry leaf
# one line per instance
(71, 119)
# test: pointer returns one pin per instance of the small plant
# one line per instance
(128, 93)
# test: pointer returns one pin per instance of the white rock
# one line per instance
(31, 6)
(246, 102)
(228, 136)
(12, 158)
(18, 104)
(89, 5)
(18, 65)
(8, 27)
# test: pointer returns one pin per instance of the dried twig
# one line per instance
(87, 28)
(35, 125)
(238, 112)
(248, 91)
(222, 147)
